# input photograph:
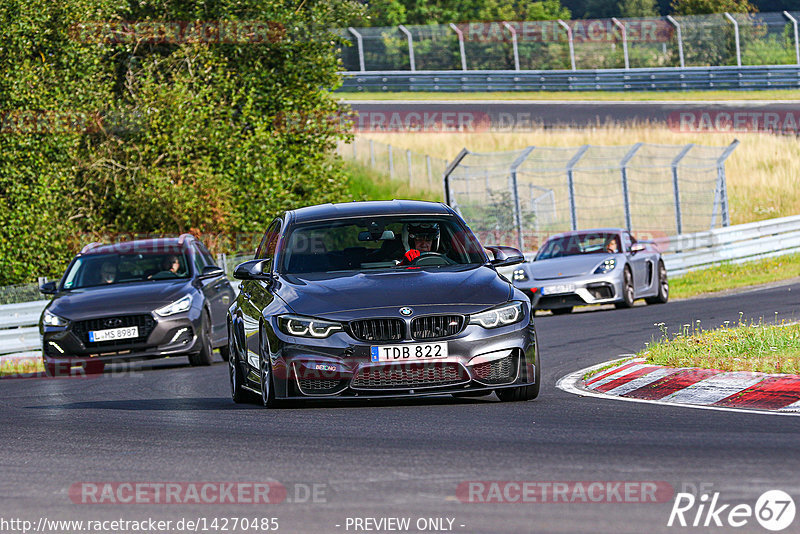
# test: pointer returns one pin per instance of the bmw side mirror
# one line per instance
(505, 256)
(253, 270)
(211, 271)
(48, 288)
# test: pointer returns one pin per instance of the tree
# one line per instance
(638, 8)
(707, 7)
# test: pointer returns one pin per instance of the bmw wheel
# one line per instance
(238, 393)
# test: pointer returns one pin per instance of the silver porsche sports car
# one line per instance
(599, 266)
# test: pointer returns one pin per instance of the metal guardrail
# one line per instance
(641, 79)
(734, 244)
(18, 330)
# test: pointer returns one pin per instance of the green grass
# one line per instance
(755, 347)
(364, 183)
(732, 276)
(21, 366)
(774, 94)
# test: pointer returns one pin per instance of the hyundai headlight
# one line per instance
(180, 305)
(50, 319)
(519, 275)
(297, 325)
(500, 316)
(605, 267)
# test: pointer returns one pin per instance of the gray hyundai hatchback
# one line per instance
(135, 300)
(379, 299)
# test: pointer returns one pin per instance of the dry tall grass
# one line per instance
(763, 172)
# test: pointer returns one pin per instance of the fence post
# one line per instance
(410, 47)
(573, 214)
(621, 26)
(448, 171)
(515, 192)
(513, 43)
(391, 162)
(410, 171)
(680, 38)
(360, 45)
(460, 45)
(430, 172)
(723, 187)
(571, 43)
(371, 154)
(355, 149)
(796, 40)
(676, 187)
(736, 38)
(625, 194)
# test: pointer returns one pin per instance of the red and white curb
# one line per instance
(637, 381)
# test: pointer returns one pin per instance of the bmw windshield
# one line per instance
(379, 243)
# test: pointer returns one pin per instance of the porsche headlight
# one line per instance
(50, 319)
(519, 275)
(605, 267)
(297, 325)
(500, 316)
(180, 305)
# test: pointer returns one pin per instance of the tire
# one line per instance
(627, 291)
(561, 311)
(267, 386)
(225, 353)
(206, 353)
(523, 393)
(663, 287)
(238, 393)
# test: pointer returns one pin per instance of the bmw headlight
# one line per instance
(50, 319)
(180, 305)
(519, 275)
(297, 325)
(607, 266)
(500, 316)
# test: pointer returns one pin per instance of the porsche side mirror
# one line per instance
(637, 247)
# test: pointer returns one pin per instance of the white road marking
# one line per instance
(572, 383)
(642, 381)
(714, 388)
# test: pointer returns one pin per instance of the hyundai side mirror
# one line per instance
(48, 288)
(211, 271)
(505, 256)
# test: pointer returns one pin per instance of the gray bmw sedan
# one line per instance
(379, 299)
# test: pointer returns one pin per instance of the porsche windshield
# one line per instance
(106, 269)
(575, 244)
(379, 243)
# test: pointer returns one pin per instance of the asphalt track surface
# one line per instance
(168, 422)
(503, 115)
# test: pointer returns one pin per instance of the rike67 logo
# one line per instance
(774, 510)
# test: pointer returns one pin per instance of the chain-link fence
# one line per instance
(680, 41)
(523, 196)
(419, 171)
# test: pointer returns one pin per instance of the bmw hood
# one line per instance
(332, 294)
(568, 266)
(140, 297)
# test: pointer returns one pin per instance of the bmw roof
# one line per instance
(370, 208)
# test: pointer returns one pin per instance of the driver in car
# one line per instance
(422, 237)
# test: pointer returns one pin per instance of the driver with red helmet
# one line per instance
(422, 237)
